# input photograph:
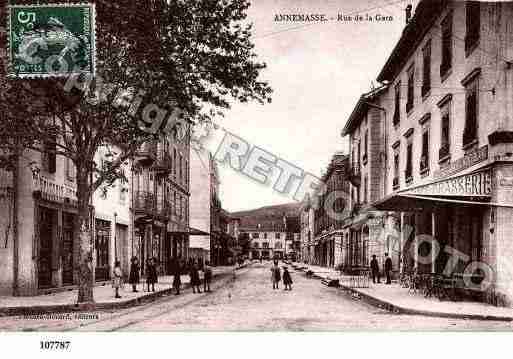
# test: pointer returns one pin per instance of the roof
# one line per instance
(426, 14)
(360, 109)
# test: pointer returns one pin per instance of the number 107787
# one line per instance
(54, 345)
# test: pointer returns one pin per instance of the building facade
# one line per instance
(364, 226)
(329, 215)
(449, 148)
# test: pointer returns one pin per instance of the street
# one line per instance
(248, 302)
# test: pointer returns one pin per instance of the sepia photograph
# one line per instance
(257, 166)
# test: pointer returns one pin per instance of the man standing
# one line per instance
(388, 268)
(374, 269)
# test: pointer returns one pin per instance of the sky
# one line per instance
(317, 71)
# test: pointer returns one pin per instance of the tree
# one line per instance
(193, 55)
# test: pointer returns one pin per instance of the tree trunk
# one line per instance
(85, 239)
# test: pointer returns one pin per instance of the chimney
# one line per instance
(408, 13)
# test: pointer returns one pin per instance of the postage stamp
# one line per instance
(51, 40)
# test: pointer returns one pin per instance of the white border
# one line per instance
(10, 72)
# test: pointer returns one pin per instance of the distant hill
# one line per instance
(270, 218)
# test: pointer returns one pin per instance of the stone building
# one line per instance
(329, 214)
(449, 143)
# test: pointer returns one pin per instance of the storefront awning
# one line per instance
(473, 188)
(190, 231)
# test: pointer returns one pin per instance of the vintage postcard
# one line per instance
(256, 165)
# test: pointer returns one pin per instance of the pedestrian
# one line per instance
(388, 268)
(287, 279)
(151, 274)
(275, 275)
(177, 282)
(374, 269)
(117, 281)
(134, 277)
(195, 278)
(207, 276)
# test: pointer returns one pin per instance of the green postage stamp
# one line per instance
(54, 40)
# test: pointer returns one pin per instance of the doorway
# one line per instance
(47, 220)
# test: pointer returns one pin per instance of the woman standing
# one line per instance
(134, 277)
(287, 279)
(117, 281)
(275, 275)
(177, 282)
(151, 274)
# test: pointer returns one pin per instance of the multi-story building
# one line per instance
(307, 217)
(367, 173)
(160, 199)
(329, 214)
(206, 210)
(39, 252)
(449, 147)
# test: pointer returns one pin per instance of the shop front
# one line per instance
(457, 227)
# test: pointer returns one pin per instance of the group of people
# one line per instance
(375, 269)
(152, 277)
(276, 276)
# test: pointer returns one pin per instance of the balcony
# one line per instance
(147, 154)
(354, 175)
(144, 203)
(162, 164)
(51, 191)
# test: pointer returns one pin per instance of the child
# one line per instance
(207, 276)
(287, 280)
(117, 281)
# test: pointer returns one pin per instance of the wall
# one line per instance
(199, 205)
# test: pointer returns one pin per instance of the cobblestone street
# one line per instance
(248, 302)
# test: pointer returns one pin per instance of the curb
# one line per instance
(382, 304)
(88, 307)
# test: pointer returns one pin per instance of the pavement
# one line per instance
(245, 301)
(61, 302)
(397, 299)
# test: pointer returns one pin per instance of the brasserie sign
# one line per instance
(477, 184)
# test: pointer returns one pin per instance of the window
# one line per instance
(180, 169)
(397, 107)
(70, 170)
(265, 235)
(365, 146)
(395, 181)
(49, 157)
(471, 112)
(174, 162)
(426, 68)
(446, 62)
(265, 245)
(255, 235)
(411, 83)
(424, 158)
(445, 131)
(408, 173)
(277, 235)
(278, 245)
(365, 189)
(255, 244)
(473, 24)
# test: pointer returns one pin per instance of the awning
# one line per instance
(474, 188)
(190, 231)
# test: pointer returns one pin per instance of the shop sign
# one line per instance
(469, 160)
(376, 221)
(470, 185)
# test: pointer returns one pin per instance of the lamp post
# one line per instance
(115, 238)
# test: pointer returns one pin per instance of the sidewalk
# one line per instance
(396, 299)
(103, 296)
